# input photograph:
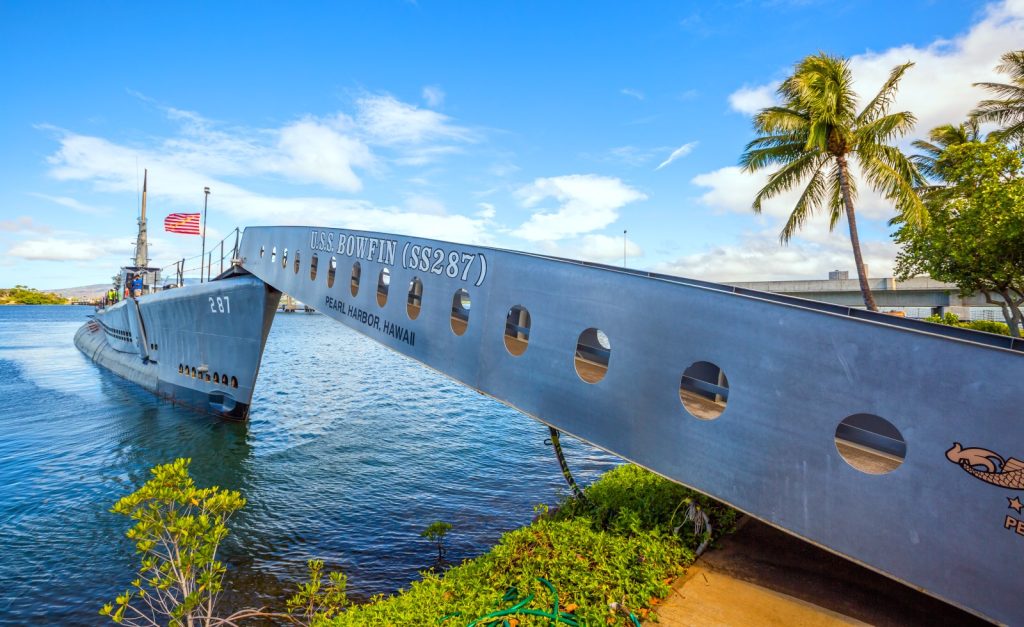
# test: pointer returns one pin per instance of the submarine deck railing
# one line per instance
(207, 266)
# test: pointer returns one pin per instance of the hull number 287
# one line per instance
(220, 304)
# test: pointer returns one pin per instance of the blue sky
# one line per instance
(536, 126)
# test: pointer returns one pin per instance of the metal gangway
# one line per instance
(885, 440)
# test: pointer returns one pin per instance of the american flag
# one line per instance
(187, 223)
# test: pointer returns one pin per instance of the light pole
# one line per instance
(623, 248)
(202, 255)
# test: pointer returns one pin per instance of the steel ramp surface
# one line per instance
(759, 400)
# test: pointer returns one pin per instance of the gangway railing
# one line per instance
(886, 440)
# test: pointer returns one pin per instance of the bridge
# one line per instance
(888, 292)
(863, 433)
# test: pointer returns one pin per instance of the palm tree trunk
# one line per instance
(851, 220)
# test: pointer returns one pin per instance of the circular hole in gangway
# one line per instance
(517, 330)
(357, 271)
(313, 262)
(704, 390)
(383, 285)
(593, 353)
(273, 254)
(460, 311)
(284, 258)
(296, 262)
(415, 300)
(870, 443)
(262, 250)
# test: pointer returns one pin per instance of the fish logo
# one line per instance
(991, 468)
(988, 466)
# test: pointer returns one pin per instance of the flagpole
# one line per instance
(202, 255)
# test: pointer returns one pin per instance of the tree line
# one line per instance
(23, 295)
(959, 200)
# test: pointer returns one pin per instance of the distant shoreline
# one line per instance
(23, 295)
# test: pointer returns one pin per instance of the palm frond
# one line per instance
(1011, 134)
(942, 137)
(880, 104)
(927, 165)
(1007, 108)
(1012, 92)
(894, 175)
(949, 135)
(999, 111)
(779, 120)
(886, 128)
(809, 202)
(1013, 65)
(776, 140)
(822, 85)
(836, 206)
(788, 177)
(754, 159)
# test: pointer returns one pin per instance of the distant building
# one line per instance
(844, 275)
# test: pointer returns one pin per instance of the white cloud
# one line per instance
(175, 183)
(487, 211)
(587, 202)
(759, 257)
(310, 150)
(418, 203)
(332, 150)
(73, 204)
(732, 190)
(633, 156)
(938, 89)
(632, 93)
(313, 152)
(23, 224)
(57, 249)
(390, 122)
(433, 95)
(750, 100)
(593, 247)
(682, 151)
(607, 248)
(503, 169)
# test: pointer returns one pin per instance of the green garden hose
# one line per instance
(555, 615)
(576, 491)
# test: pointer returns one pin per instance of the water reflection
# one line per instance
(350, 452)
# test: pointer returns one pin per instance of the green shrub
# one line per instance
(178, 528)
(614, 555)
(595, 561)
(436, 532)
(988, 326)
(950, 319)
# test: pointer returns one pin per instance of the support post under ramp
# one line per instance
(758, 400)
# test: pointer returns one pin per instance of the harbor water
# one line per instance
(350, 452)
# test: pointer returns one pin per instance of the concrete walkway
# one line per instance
(762, 576)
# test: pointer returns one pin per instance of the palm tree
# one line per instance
(1008, 108)
(940, 138)
(813, 134)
